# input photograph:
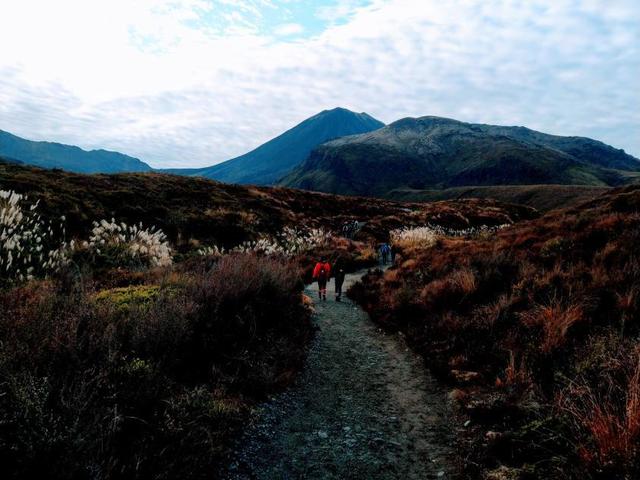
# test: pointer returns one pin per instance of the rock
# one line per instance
(323, 434)
(440, 474)
(464, 376)
(467, 423)
(457, 396)
(503, 473)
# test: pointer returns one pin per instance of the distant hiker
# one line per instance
(350, 228)
(346, 230)
(338, 278)
(321, 273)
(384, 253)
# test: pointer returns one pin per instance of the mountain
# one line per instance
(67, 157)
(433, 152)
(273, 160)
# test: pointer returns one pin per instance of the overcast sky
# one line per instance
(195, 82)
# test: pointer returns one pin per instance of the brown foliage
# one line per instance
(148, 380)
(542, 302)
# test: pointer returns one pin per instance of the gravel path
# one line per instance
(363, 408)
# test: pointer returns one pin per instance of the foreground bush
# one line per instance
(538, 329)
(134, 245)
(145, 381)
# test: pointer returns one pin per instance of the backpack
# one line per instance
(323, 274)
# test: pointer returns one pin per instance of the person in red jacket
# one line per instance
(321, 273)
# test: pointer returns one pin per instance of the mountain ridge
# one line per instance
(67, 157)
(271, 161)
(435, 152)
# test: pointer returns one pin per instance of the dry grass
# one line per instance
(515, 373)
(532, 309)
(611, 419)
(555, 318)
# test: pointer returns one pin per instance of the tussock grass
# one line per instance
(546, 312)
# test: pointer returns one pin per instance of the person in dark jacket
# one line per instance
(321, 273)
(384, 253)
(338, 278)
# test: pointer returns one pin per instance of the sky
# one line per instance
(190, 83)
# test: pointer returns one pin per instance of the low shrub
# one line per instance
(545, 313)
(144, 381)
(119, 244)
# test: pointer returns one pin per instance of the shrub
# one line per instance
(426, 236)
(289, 242)
(414, 237)
(122, 244)
(560, 296)
(606, 416)
(29, 246)
(556, 319)
(145, 381)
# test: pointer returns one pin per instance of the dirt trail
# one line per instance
(363, 408)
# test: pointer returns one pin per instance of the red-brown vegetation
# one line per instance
(147, 380)
(547, 313)
(195, 211)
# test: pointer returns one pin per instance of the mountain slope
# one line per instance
(540, 197)
(67, 157)
(271, 161)
(433, 152)
(195, 211)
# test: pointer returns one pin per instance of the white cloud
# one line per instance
(160, 79)
(288, 29)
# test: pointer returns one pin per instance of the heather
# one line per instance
(535, 328)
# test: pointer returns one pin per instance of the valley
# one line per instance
(500, 301)
(320, 240)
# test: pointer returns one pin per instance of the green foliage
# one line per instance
(458, 154)
(124, 298)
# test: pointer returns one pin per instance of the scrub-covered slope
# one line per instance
(433, 152)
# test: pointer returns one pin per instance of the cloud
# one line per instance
(194, 82)
(288, 29)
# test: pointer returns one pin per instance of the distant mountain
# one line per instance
(67, 157)
(432, 152)
(273, 160)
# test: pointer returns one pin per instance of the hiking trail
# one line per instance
(364, 407)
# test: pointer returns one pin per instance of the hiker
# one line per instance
(384, 253)
(338, 278)
(321, 273)
(350, 228)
